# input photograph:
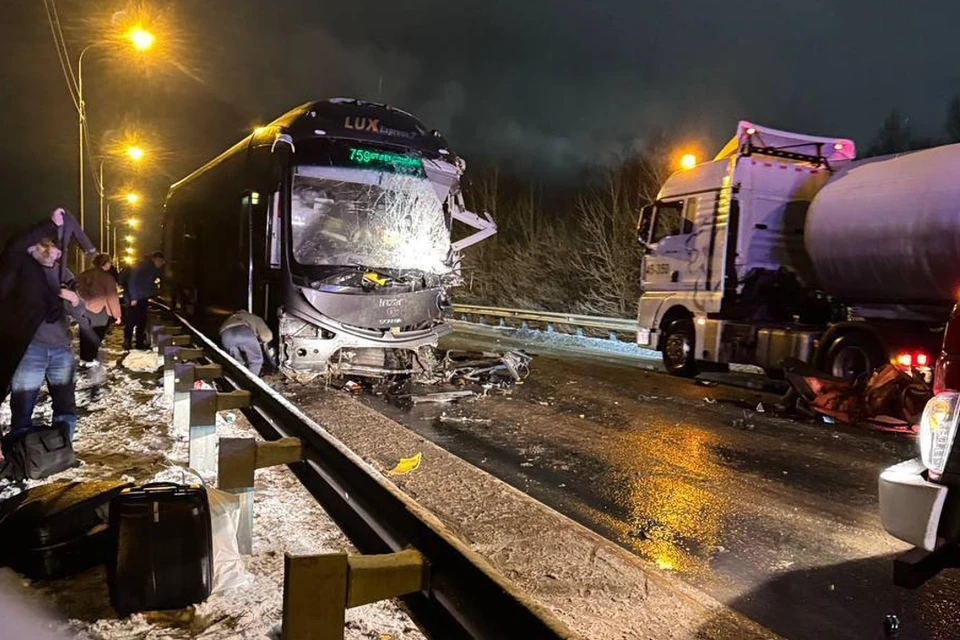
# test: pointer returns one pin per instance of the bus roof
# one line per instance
(341, 118)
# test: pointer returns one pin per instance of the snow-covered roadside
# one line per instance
(126, 434)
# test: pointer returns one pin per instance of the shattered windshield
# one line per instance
(373, 217)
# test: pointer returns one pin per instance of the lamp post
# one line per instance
(142, 40)
(136, 154)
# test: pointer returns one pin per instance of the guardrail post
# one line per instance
(317, 590)
(185, 376)
(163, 339)
(613, 336)
(171, 357)
(549, 328)
(237, 460)
(158, 329)
(204, 406)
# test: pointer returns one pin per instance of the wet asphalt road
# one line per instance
(775, 518)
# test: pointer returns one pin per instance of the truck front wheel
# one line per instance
(678, 349)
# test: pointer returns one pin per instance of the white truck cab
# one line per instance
(726, 277)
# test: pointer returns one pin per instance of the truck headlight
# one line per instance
(938, 428)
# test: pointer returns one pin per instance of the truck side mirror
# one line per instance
(645, 225)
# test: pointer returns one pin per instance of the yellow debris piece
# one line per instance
(406, 465)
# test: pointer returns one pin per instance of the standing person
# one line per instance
(26, 300)
(139, 284)
(48, 355)
(98, 288)
(242, 335)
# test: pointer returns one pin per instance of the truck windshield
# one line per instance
(376, 216)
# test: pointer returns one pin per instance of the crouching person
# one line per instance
(243, 335)
(49, 355)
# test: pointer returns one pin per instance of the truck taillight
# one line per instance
(905, 360)
(922, 360)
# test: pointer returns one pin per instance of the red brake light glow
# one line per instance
(922, 360)
(905, 360)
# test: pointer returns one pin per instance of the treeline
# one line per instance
(578, 255)
(896, 135)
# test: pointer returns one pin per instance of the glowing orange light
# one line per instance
(688, 161)
(905, 359)
(141, 38)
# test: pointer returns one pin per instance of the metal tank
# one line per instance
(887, 229)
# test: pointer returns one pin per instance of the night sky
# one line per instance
(541, 88)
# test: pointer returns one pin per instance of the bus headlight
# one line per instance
(938, 428)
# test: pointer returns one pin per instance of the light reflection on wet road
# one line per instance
(777, 519)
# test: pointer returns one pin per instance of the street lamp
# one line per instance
(133, 198)
(141, 38)
(136, 154)
(133, 222)
(129, 239)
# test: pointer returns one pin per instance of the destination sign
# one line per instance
(385, 159)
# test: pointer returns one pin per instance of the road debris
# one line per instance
(441, 397)
(458, 420)
(888, 397)
(406, 465)
(743, 423)
(461, 367)
(704, 383)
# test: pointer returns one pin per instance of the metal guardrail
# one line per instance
(548, 318)
(464, 597)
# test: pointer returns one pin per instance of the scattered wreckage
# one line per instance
(890, 396)
(457, 374)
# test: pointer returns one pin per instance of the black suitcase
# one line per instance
(57, 529)
(163, 548)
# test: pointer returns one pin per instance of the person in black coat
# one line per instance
(27, 301)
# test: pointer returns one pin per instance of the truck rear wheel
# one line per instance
(678, 349)
(854, 354)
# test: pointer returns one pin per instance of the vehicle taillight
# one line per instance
(905, 360)
(922, 360)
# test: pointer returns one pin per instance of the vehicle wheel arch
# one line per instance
(674, 313)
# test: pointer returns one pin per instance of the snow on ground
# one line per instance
(574, 343)
(126, 434)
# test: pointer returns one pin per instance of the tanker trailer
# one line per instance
(787, 246)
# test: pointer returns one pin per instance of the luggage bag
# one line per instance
(162, 548)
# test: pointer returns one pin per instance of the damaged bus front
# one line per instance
(343, 212)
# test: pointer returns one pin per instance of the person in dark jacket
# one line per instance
(139, 285)
(48, 355)
(20, 290)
